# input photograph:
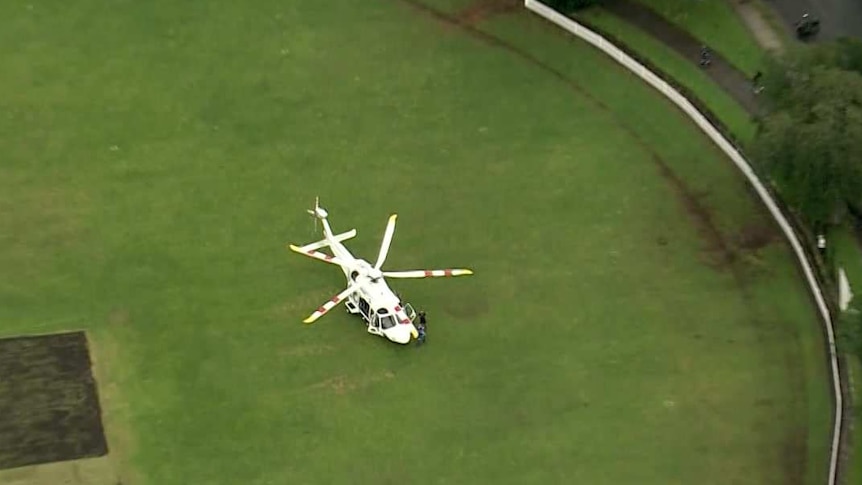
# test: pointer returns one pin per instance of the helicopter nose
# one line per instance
(401, 337)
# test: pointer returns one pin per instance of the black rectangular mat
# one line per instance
(49, 407)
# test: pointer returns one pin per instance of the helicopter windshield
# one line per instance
(387, 322)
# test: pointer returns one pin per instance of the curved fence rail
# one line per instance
(728, 148)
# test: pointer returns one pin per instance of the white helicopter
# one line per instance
(367, 293)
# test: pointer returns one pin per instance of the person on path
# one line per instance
(755, 82)
(705, 56)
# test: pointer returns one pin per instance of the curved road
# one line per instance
(838, 18)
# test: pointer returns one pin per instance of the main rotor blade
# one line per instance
(315, 254)
(335, 300)
(427, 273)
(325, 242)
(387, 240)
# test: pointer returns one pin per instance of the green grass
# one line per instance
(848, 255)
(854, 473)
(775, 268)
(715, 23)
(680, 69)
(156, 158)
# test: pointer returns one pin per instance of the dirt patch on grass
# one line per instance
(50, 409)
(89, 471)
(37, 223)
(484, 9)
(307, 350)
(119, 317)
(756, 236)
(465, 305)
(109, 358)
(343, 384)
(737, 254)
(720, 252)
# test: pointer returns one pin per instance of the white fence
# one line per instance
(845, 294)
(710, 131)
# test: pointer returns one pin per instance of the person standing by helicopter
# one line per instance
(421, 328)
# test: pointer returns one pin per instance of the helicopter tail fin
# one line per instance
(319, 213)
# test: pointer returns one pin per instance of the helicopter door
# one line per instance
(411, 313)
(365, 308)
(374, 324)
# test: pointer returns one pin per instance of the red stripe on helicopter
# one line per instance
(429, 273)
(328, 257)
(334, 299)
(311, 252)
(447, 272)
(321, 310)
(406, 320)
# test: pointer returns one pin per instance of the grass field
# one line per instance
(155, 158)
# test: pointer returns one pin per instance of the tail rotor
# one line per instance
(317, 212)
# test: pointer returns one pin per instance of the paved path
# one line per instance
(763, 33)
(735, 82)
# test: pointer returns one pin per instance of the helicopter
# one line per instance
(367, 293)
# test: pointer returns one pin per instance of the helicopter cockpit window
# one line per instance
(387, 322)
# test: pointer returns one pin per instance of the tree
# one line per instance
(849, 54)
(811, 141)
